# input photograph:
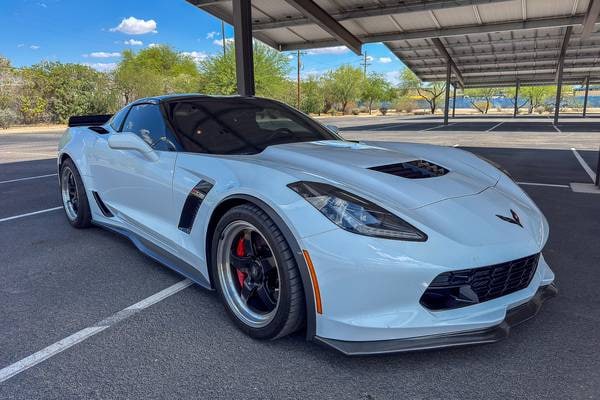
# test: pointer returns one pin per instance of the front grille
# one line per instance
(417, 169)
(465, 287)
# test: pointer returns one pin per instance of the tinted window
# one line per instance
(117, 120)
(240, 125)
(146, 121)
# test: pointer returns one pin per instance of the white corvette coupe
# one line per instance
(372, 247)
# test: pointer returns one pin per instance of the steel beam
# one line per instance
(437, 42)
(322, 18)
(244, 60)
(559, 72)
(591, 17)
(585, 98)
(374, 11)
(454, 100)
(516, 110)
(447, 98)
(445, 32)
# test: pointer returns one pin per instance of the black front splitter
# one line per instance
(514, 316)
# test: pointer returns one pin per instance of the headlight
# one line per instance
(496, 165)
(356, 214)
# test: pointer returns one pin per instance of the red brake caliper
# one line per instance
(240, 251)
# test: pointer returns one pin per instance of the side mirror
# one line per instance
(333, 128)
(131, 141)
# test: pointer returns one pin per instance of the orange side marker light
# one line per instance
(315, 283)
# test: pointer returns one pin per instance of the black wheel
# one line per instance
(256, 274)
(74, 198)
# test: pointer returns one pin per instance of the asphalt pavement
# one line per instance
(57, 281)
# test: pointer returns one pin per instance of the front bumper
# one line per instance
(514, 316)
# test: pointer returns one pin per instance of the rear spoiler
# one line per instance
(89, 120)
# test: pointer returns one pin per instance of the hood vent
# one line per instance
(417, 169)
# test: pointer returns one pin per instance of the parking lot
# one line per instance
(58, 281)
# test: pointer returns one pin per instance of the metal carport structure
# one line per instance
(470, 43)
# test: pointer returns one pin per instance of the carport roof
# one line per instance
(488, 42)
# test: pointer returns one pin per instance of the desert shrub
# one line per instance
(540, 109)
(7, 118)
(383, 110)
(406, 104)
(355, 111)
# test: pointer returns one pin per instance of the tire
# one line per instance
(75, 201)
(289, 313)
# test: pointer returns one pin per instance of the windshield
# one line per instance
(240, 125)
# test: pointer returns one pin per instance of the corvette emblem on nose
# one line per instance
(513, 220)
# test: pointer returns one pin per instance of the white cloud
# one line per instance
(369, 58)
(329, 50)
(290, 57)
(43, 5)
(102, 67)
(133, 42)
(153, 44)
(197, 56)
(34, 47)
(219, 42)
(393, 77)
(134, 26)
(21, 45)
(385, 60)
(103, 54)
(212, 35)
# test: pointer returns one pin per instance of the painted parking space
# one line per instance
(58, 280)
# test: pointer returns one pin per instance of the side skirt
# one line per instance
(160, 255)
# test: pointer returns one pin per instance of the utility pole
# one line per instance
(223, 36)
(298, 81)
(365, 63)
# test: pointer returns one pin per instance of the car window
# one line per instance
(146, 121)
(117, 120)
(240, 125)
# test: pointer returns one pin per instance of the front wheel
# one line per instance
(256, 274)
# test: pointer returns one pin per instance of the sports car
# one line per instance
(369, 246)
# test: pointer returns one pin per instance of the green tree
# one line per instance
(312, 97)
(270, 73)
(537, 95)
(154, 71)
(430, 92)
(481, 98)
(375, 89)
(64, 90)
(343, 85)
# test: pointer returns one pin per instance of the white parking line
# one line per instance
(54, 155)
(543, 184)
(585, 166)
(78, 337)
(28, 214)
(28, 178)
(439, 126)
(393, 126)
(495, 126)
(557, 128)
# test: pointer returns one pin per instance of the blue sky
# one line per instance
(95, 32)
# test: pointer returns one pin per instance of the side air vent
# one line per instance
(102, 206)
(192, 204)
(98, 129)
(417, 169)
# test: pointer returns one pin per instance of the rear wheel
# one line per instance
(74, 197)
(256, 274)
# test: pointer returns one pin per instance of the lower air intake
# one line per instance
(466, 287)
